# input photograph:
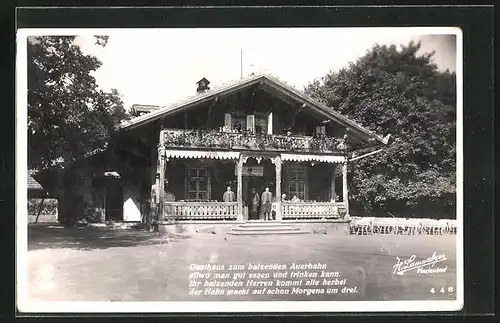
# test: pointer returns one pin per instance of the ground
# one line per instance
(99, 264)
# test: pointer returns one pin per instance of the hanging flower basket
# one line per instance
(249, 140)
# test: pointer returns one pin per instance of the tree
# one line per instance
(69, 117)
(400, 92)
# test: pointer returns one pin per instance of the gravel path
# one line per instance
(94, 264)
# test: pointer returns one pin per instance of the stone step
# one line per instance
(266, 232)
(265, 224)
(265, 228)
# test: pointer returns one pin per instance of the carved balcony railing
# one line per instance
(312, 210)
(251, 141)
(188, 210)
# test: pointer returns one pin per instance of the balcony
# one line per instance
(250, 141)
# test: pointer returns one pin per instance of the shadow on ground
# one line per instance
(88, 238)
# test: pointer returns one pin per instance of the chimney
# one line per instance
(202, 85)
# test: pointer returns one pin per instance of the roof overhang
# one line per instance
(269, 84)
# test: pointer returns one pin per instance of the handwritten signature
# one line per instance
(403, 266)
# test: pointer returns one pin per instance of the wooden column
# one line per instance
(345, 197)
(239, 190)
(277, 164)
(160, 185)
(332, 183)
(153, 182)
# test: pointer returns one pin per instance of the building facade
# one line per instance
(243, 137)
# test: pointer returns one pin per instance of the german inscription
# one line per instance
(303, 279)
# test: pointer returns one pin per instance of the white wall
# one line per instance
(131, 206)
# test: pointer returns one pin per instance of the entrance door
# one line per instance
(249, 183)
(114, 200)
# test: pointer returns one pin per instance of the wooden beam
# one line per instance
(277, 164)
(332, 184)
(239, 190)
(278, 94)
(160, 188)
(345, 194)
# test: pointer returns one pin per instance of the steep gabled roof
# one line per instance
(233, 87)
(32, 183)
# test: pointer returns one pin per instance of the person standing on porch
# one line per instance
(228, 195)
(255, 204)
(267, 198)
(154, 203)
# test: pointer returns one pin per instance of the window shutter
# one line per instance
(270, 124)
(227, 121)
(251, 123)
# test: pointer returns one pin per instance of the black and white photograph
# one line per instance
(239, 170)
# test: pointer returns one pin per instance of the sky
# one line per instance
(162, 66)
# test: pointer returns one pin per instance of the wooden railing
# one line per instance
(190, 210)
(312, 210)
(201, 210)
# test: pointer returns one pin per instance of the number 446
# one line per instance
(442, 290)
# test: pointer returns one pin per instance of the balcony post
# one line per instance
(345, 197)
(160, 188)
(277, 164)
(239, 191)
(332, 184)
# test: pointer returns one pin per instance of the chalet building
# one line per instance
(252, 134)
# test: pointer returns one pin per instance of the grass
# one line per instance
(98, 264)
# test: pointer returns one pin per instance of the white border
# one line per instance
(26, 306)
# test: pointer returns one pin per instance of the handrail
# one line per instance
(201, 210)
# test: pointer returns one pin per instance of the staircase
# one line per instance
(265, 228)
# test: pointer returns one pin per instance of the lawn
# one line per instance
(98, 264)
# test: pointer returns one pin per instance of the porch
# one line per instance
(229, 211)
(197, 169)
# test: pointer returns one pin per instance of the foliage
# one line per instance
(400, 92)
(69, 117)
(49, 206)
(248, 140)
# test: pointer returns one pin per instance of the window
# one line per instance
(250, 122)
(239, 123)
(198, 184)
(228, 124)
(321, 130)
(261, 124)
(297, 181)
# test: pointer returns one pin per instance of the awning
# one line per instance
(313, 158)
(202, 154)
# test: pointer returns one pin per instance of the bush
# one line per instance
(49, 206)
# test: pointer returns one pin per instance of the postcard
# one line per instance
(239, 170)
